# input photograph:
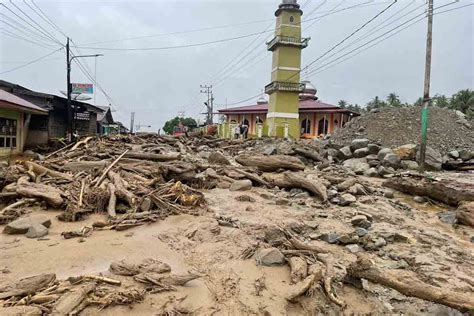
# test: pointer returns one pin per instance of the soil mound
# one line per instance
(398, 126)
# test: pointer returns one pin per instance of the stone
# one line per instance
(218, 158)
(383, 152)
(347, 199)
(419, 199)
(36, 231)
(145, 205)
(472, 239)
(391, 160)
(353, 248)
(371, 172)
(409, 165)
(331, 193)
(211, 173)
(465, 213)
(389, 194)
(245, 198)
(21, 225)
(346, 184)
(269, 257)
(407, 151)
(361, 152)
(358, 143)
(282, 201)
(466, 154)
(433, 159)
(312, 224)
(330, 238)
(372, 157)
(454, 154)
(271, 150)
(348, 239)
(361, 221)
(241, 185)
(358, 165)
(373, 163)
(361, 232)
(345, 153)
(448, 217)
(384, 171)
(373, 149)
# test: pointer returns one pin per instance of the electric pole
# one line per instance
(70, 120)
(132, 121)
(426, 90)
(209, 104)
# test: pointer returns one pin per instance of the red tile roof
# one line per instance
(12, 101)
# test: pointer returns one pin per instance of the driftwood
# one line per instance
(410, 285)
(102, 176)
(47, 193)
(298, 269)
(39, 169)
(448, 191)
(151, 156)
(112, 201)
(302, 246)
(313, 155)
(289, 180)
(82, 142)
(158, 279)
(271, 163)
(17, 204)
(120, 189)
(465, 213)
(253, 177)
(72, 299)
(29, 285)
(59, 150)
(302, 287)
(84, 165)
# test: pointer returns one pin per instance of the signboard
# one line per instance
(82, 116)
(79, 88)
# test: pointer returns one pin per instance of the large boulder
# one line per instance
(218, 158)
(361, 152)
(373, 149)
(371, 172)
(409, 165)
(345, 153)
(269, 257)
(407, 151)
(433, 159)
(385, 171)
(241, 185)
(358, 165)
(36, 231)
(466, 154)
(359, 143)
(391, 160)
(22, 225)
(383, 152)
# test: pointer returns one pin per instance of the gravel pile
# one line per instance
(393, 127)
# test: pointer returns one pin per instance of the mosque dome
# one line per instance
(309, 91)
(262, 100)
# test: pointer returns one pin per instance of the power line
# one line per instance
(46, 18)
(31, 62)
(16, 36)
(21, 28)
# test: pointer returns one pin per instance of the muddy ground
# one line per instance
(417, 242)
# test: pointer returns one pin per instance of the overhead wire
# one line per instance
(16, 36)
(31, 62)
(23, 29)
(46, 18)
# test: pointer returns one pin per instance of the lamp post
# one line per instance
(72, 118)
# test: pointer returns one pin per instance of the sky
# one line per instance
(158, 78)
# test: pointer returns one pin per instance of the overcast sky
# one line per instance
(157, 84)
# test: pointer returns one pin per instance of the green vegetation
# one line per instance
(171, 124)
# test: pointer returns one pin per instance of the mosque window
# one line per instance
(292, 19)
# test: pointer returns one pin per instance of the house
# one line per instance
(105, 122)
(54, 125)
(15, 117)
(316, 118)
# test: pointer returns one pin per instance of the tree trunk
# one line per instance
(410, 285)
(84, 165)
(151, 156)
(38, 169)
(448, 191)
(120, 190)
(48, 193)
(70, 300)
(271, 163)
(289, 180)
(313, 155)
(112, 201)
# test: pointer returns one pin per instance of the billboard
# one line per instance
(79, 88)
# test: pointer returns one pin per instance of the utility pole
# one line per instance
(426, 90)
(70, 120)
(132, 121)
(209, 104)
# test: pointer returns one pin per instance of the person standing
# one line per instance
(237, 132)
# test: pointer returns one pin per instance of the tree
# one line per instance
(463, 101)
(441, 101)
(171, 124)
(375, 103)
(393, 100)
(342, 104)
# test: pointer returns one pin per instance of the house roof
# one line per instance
(9, 100)
(105, 109)
(306, 105)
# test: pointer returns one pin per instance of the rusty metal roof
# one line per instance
(8, 100)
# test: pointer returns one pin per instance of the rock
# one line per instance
(347, 199)
(211, 173)
(241, 185)
(419, 199)
(454, 154)
(391, 160)
(389, 194)
(330, 238)
(332, 193)
(218, 158)
(465, 213)
(409, 165)
(407, 151)
(269, 257)
(472, 239)
(271, 150)
(353, 248)
(245, 198)
(359, 143)
(373, 149)
(361, 152)
(21, 311)
(348, 238)
(433, 159)
(371, 172)
(343, 186)
(145, 206)
(466, 154)
(375, 244)
(383, 152)
(36, 231)
(21, 225)
(374, 163)
(448, 217)
(344, 153)
(383, 171)
(361, 232)
(282, 201)
(312, 224)
(372, 157)
(358, 165)
(274, 236)
(361, 221)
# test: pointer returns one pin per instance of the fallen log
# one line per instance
(313, 155)
(39, 169)
(302, 287)
(72, 299)
(82, 142)
(101, 178)
(59, 150)
(17, 204)
(410, 285)
(47, 193)
(84, 165)
(112, 201)
(459, 165)
(302, 246)
(253, 177)
(448, 191)
(120, 190)
(289, 180)
(29, 286)
(151, 156)
(271, 163)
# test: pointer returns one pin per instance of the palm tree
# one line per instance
(342, 104)
(393, 99)
(441, 101)
(463, 101)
